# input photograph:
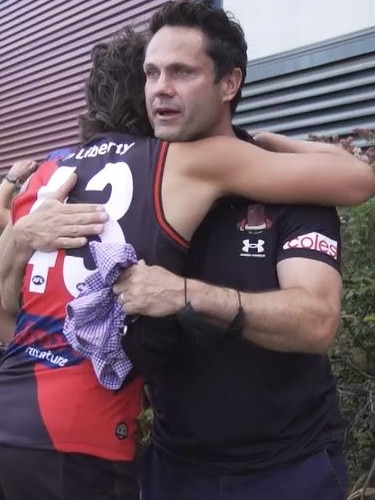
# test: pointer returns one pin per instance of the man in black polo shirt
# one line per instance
(249, 410)
(257, 413)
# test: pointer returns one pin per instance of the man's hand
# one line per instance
(150, 291)
(22, 169)
(55, 224)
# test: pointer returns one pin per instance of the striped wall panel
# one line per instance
(44, 57)
(323, 89)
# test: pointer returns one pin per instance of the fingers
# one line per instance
(67, 243)
(63, 192)
(257, 136)
(261, 137)
(84, 213)
(82, 229)
(71, 214)
(89, 211)
(29, 167)
(65, 188)
(22, 169)
(49, 228)
(122, 281)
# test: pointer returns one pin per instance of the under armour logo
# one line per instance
(247, 246)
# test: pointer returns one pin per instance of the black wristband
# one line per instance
(201, 331)
(14, 181)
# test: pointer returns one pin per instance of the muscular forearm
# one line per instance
(14, 257)
(6, 193)
(284, 144)
(289, 320)
(292, 319)
(7, 324)
(19, 172)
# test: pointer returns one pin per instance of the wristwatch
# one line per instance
(13, 180)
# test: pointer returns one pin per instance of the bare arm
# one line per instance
(14, 257)
(19, 172)
(305, 172)
(300, 317)
(7, 325)
(52, 225)
(6, 193)
(279, 143)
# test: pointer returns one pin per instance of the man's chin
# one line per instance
(169, 134)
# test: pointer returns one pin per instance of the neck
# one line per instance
(225, 127)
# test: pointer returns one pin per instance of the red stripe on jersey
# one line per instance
(25, 199)
(160, 217)
(81, 415)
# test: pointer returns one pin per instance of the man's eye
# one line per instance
(151, 73)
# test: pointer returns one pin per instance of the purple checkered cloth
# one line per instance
(95, 320)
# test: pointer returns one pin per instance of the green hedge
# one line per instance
(353, 352)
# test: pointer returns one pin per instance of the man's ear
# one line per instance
(230, 84)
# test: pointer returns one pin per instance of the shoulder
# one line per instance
(313, 213)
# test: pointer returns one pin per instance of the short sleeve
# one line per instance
(311, 232)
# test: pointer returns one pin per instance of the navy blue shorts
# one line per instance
(27, 474)
(318, 477)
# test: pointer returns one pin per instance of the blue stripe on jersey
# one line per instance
(39, 339)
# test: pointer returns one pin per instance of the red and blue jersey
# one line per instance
(49, 395)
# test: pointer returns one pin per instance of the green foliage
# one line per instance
(353, 353)
(144, 428)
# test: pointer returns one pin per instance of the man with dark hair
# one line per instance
(227, 51)
(249, 410)
(72, 436)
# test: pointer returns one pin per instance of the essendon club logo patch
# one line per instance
(256, 219)
(313, 241)
(121, 431)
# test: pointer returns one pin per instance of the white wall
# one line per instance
(273, 26)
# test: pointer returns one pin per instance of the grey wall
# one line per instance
(326, 88)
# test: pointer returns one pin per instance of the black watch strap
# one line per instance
(202, 332)
(13, 180)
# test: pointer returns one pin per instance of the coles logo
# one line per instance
(313, 241)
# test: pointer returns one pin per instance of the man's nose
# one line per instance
(164, 85)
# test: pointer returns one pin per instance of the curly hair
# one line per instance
(225, 39)
(114, 89)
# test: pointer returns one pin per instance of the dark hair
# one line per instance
(226, 44)
(114, 89)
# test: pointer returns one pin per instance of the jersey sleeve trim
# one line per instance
(311, 255)
(160, 216)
